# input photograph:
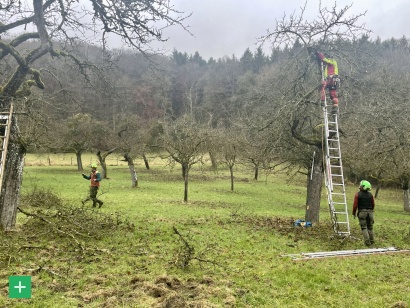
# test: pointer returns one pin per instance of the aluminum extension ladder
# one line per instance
(5, 125)
(344, 253)
(334, 180)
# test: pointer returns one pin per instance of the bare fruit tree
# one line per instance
(327, 31)
(185, 142)
(331, 24)
(56, 26)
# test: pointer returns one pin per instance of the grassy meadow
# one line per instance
(147, 248)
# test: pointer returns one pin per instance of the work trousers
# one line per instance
(93, 196)
(366, 220)
(331, 85)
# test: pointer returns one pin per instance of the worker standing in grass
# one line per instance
(95, 178)
(364, 204)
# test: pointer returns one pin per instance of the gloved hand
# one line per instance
(95, 180)
(82, 174)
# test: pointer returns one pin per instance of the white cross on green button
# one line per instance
(19, 286)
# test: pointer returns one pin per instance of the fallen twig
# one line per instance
(187, 253)
(45, 269)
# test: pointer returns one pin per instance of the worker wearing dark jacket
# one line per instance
(95, 179)
(363, 205)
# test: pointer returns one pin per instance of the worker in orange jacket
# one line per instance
(95, 179)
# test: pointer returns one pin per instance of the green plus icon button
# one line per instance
(19, 286)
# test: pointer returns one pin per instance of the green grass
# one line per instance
(126, 254)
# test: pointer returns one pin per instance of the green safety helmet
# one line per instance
(365, 185)
(93, 165)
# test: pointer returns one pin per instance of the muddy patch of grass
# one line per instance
(170, 291)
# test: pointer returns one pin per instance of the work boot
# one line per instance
(335, 110)
(94, 204)
(366, 237)
(101, 203)
(371, 236)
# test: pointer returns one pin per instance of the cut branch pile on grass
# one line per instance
(41, 198)
(53, 213)
(53, 227)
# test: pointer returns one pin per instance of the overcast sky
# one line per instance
(227, 27)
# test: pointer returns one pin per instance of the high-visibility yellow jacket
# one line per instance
(330, 65)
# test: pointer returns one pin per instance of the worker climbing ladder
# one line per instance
(5, 125)
(334, 180)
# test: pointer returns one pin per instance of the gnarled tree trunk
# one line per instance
(101, 158)
(406, 198)
(314, 187)
(232, 177)
(12, 179)
(185, 171)
(79, 160)
(146, 162)
(131, 167)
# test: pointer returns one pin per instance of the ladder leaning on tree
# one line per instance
(334, 180)
(5, 126)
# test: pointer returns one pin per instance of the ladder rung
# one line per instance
(334, 160)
